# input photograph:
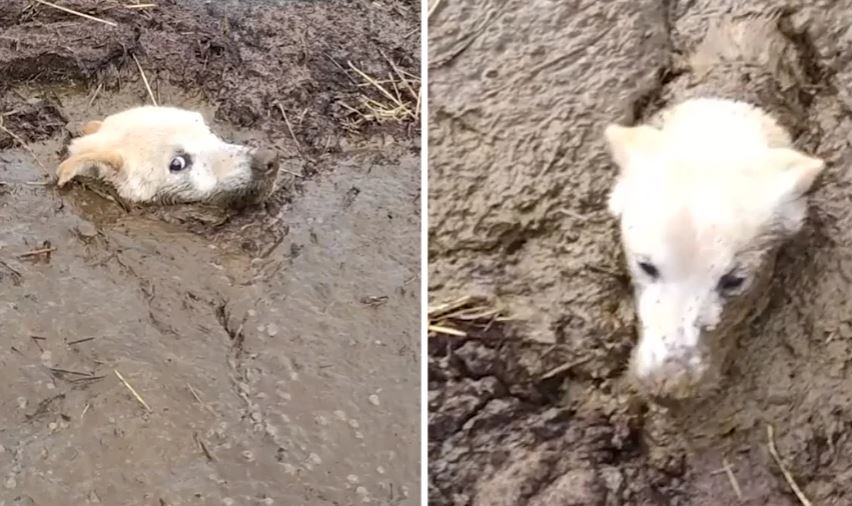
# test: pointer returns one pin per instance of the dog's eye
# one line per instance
(649, 269)
(730, 282)
(179, 163)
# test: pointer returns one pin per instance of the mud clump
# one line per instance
(244, 332)
(32, 120)
(519, 178)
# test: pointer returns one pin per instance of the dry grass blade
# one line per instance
(76, 13)
(465, 316)
(391, 105)
(203, 447)
(433, 9)
(289, 126)
(438, 329)
(446, 307)
(560, 369)
(475, 314)
(133, 391)
(732, 479)
(402, 78)
(770, 433)
(36, 252)
(96, 93)
(376, 85)
(140, 6)
(145, 80)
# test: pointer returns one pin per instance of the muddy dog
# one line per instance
(706, 193)
(167, 155)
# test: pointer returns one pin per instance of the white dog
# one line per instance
(703, 202)
(163, 154)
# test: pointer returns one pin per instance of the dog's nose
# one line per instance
(264, 161)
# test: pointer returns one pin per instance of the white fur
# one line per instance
(707, 194)
(133, 149)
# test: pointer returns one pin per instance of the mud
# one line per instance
(275, 347)
(536, 412)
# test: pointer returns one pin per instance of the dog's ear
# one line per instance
(91, 127)
(787, 176)
(792, 172)
(627, 144)
(101, 164)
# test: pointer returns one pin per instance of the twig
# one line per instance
(70, 11)
(85, 409)
(770, 434)
(140, 6)
(145, 80)
(132, 390)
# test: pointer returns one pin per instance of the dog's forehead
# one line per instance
(156, 122)
(688, 231)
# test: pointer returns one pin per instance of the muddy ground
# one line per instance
(276, 347)
(519, 94)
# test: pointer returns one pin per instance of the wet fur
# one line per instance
(132, 151)
(709, 185)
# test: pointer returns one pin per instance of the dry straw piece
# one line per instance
(133, 391)
(145, 80)
(77, 13)
(398, 96)
(770, 434)
(464, 315)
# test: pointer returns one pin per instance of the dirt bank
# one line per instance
(520, 92)
(275, 348)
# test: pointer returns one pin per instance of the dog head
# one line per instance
(700, 229)
(168, 155)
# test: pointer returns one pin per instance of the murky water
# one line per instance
(283, 374)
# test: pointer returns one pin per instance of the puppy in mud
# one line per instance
(706, 193)
(167, 155)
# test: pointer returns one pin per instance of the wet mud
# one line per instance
(534, 410)
(195, 355)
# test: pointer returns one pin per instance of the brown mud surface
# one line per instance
(276, 348)
(534, 412)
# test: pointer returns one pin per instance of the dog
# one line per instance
(703, 202)
(153, 154)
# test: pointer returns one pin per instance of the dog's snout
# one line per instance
(264, 161)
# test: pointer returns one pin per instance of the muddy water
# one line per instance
(518, 183)
(274, 351)
(297, 358)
